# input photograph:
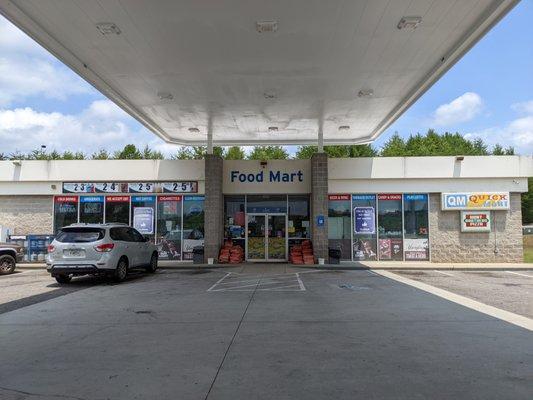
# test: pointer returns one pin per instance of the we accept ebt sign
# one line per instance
(476, 201)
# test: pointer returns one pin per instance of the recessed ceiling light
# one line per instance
(194, 130)
(108, 28)
(266, 26)
(272, 128)
(270, 95)
(165, 96)
(365, 93)
(344, 128)
(409, 23)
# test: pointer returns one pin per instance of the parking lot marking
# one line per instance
(507, 316)
(371, 272)
(289, 282)
(443, 273)
(219, 281)
(302, 287)
(519, 274)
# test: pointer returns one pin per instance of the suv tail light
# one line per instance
(104, 248)
(51, 248)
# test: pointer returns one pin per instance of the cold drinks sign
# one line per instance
(476, 201)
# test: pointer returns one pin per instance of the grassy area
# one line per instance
(528, 248)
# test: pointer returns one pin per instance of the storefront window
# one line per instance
(143, 215)
(117, 209)
(65, 211)
(92, 209)
(193, 224)
(234, 219)
(169, 227)
(339, 224)
(364, 227)
(390, 227)
(266, 204)
(416, 227)
(299, 217)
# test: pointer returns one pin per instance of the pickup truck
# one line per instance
(10, 254)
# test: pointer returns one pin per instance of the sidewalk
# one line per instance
(342, 266)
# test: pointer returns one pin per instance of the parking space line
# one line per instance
(220, 280)
(302, 287)
(519, 274)
(371, 272)
(512, 318)
(443, 273)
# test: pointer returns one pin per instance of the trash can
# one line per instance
(334, 256)
(198, 255)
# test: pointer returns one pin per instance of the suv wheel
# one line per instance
(121, 271)
(7, 264)
(152, 267)
(63, 279)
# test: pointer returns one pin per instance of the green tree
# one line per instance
(235, 153)
(129, 152)
(268, 153)
(149, 154)
(101, 154)
(338, 151)
(394, 147)
(196, 153)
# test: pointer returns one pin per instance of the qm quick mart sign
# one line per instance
(476, 201)
(272, 176)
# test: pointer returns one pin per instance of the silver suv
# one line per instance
(95, 249)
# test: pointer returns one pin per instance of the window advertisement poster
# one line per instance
(143, 220)
(74, 187)
(169, 227)
(37, 246)
(475, 221)
(475, 201)
(416, 249)
(364, 220)
(390, 249)
(193, 224)
(180, 187)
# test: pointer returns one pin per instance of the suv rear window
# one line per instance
(80, 235)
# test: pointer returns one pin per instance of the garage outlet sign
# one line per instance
(476, 201)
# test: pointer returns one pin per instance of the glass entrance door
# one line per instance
(267, 237)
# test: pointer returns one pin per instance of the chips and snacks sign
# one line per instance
(476, 201)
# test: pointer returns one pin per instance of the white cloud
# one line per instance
(525, 107)
(461, 109)
(27, 70)
(101, 126)
(518, 133)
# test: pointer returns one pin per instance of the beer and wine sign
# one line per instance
(475, 208)
(131, 187)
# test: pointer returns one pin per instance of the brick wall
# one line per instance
(27, 214)
(449, 244)
(214, 206)
(319, 203)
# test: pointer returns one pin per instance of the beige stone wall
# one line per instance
(27, 214)
(449, 244)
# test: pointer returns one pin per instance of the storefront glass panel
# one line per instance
(277, 244)
(169, 227)
(416, 227)
(299, 226)
(256, 237)
(92, 209)
(266, 203)
(117, 209)
(390, 227)
(339, 224)
(143, 215)
(234, 219)
(65, 211)
(364, 227)
(193, 224)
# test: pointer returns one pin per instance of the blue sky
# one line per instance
(487, 94)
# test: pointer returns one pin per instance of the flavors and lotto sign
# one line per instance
(476, 201)
(472, 221)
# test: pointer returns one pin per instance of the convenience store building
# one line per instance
(439, 209)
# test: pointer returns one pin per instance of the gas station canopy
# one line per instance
(255, 71)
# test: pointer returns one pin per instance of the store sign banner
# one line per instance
(364, 197)
(475, 221)
(142, 199)
(389, 196)
(416, 197)
(143, 220)
(168, 198)
(117, 199)
(416, 249)
(364, 220)
(66, 199)
(91, 199)
(476, 201)
(339, 197)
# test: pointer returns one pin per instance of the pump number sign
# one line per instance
(180, 187)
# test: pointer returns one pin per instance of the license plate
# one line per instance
(74, 253)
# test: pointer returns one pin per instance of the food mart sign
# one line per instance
(476, 201)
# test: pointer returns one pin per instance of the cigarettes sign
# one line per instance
(472, 221)
(476, 201)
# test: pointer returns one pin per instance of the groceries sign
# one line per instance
(476, 201)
